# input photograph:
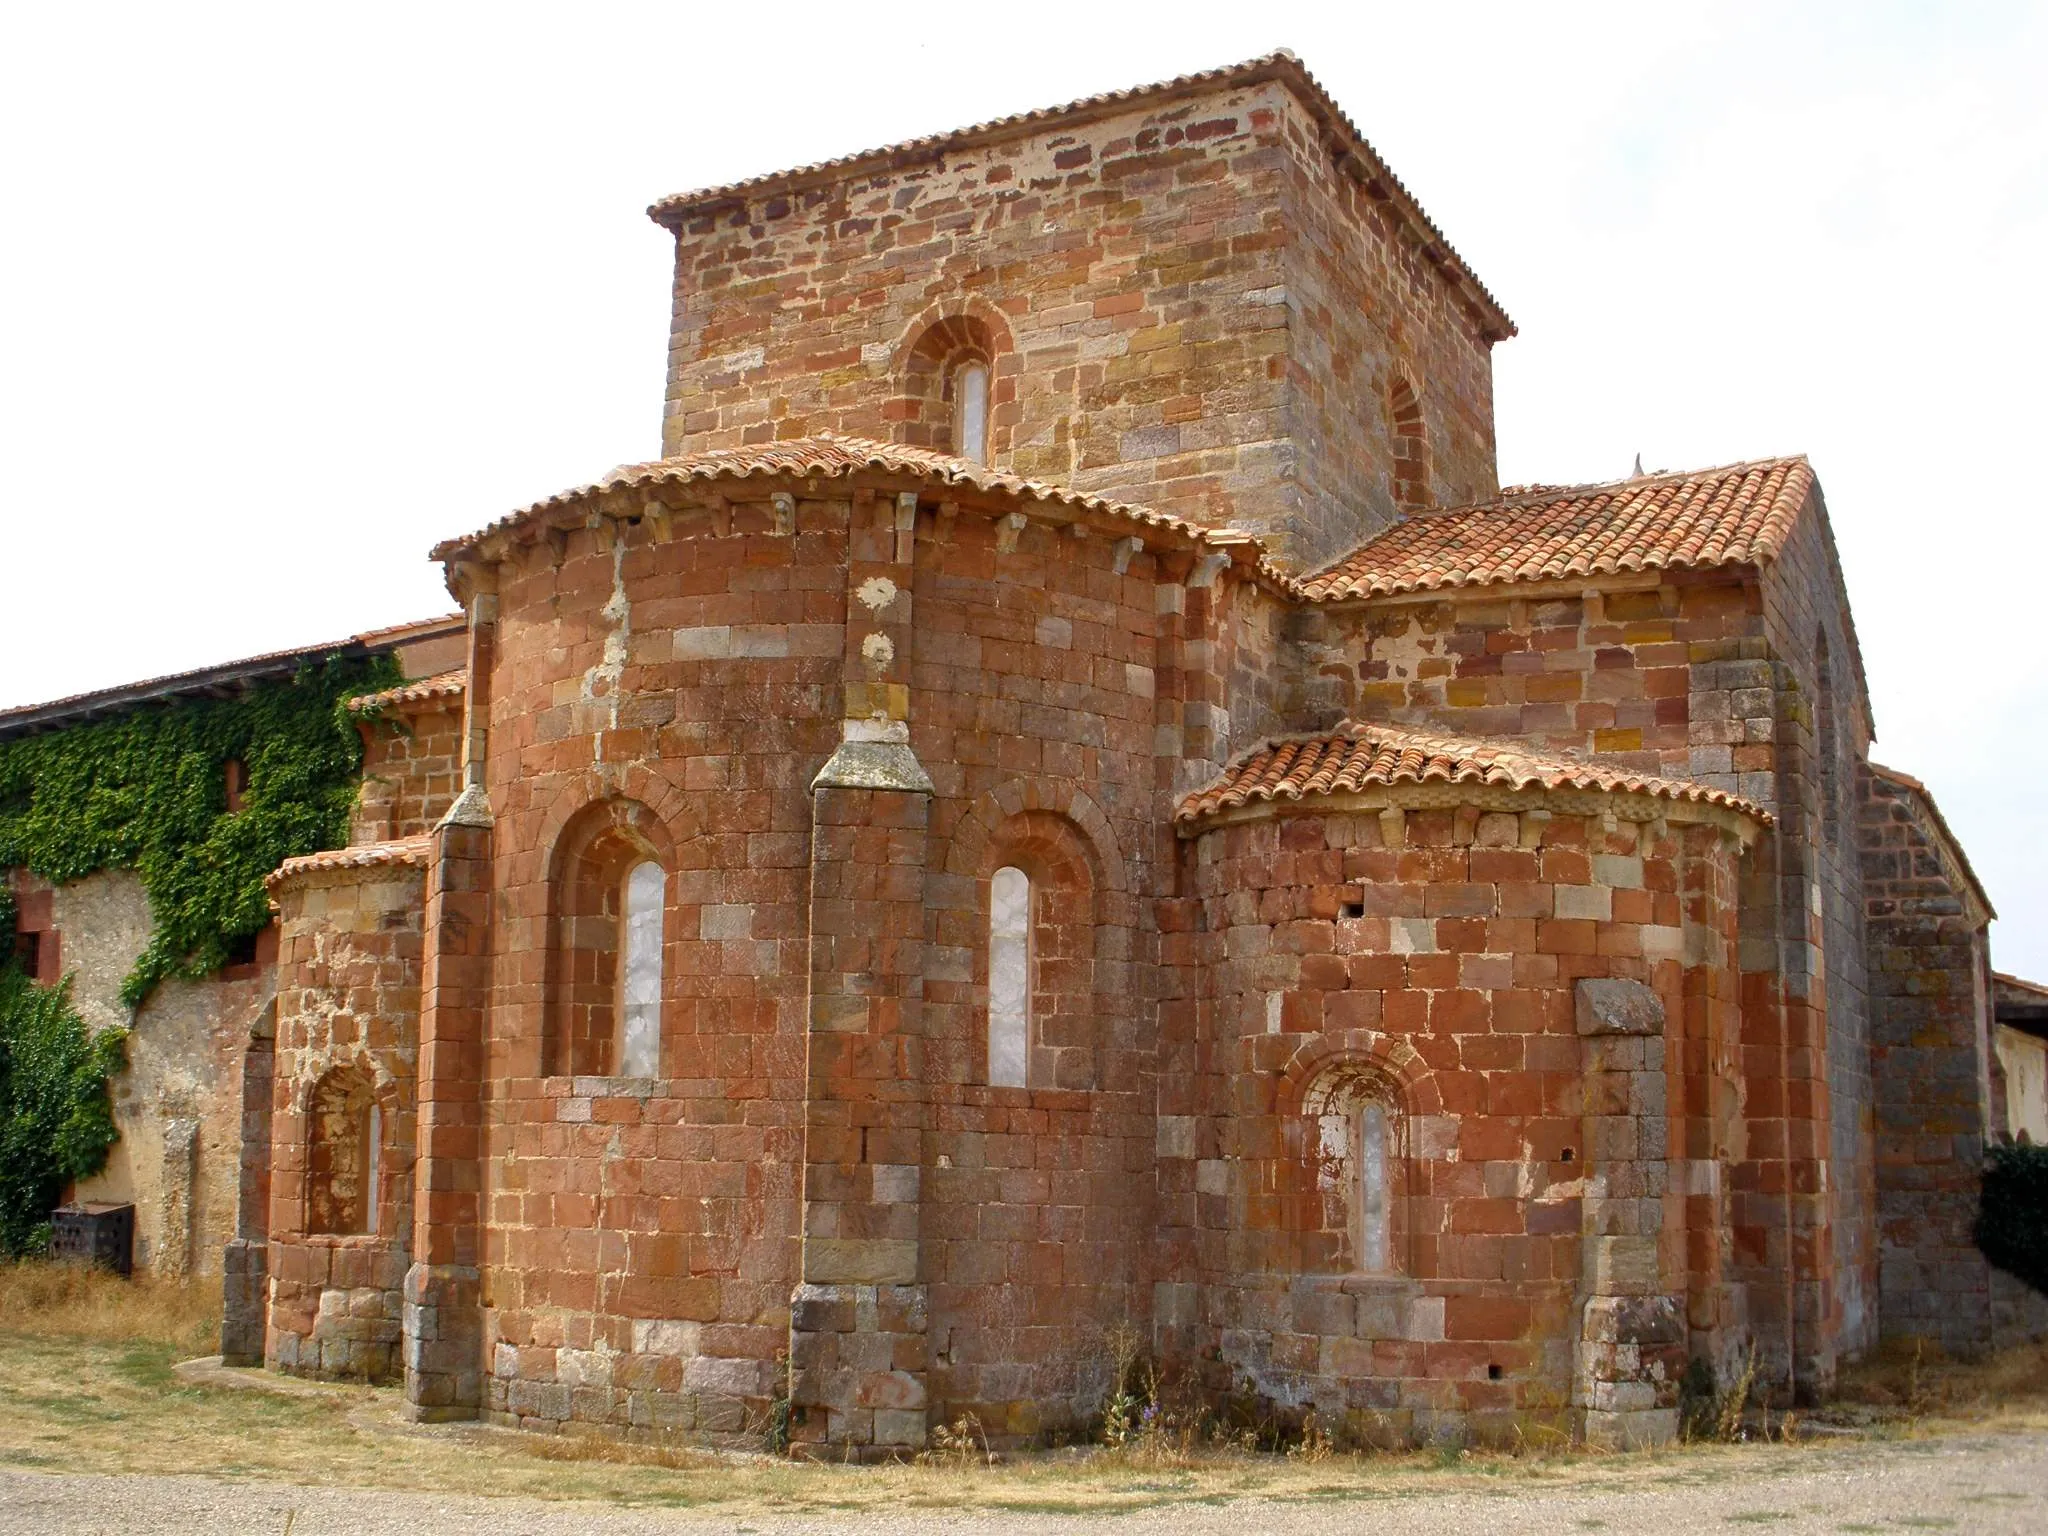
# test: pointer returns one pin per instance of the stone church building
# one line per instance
(1071, 797)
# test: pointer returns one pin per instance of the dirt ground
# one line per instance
(1990, 1484)
(101, 1431)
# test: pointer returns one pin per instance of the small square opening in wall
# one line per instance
(1352, 909)
(1493, 1373)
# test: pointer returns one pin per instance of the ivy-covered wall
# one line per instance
(145, 796)
(148, 791)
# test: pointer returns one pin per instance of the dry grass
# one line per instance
(86, 1385)
(70, 1301)
(1905, 1388)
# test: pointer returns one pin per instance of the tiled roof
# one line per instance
(428, 690)
(827, 456)
(1357, 757)
(406, 851)
(223, 680)
(1281, 65)
(1737, 514)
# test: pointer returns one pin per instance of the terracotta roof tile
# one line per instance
(1281, 65)
(1356, 757)
(224, 679)
(406, 851)
(1737, 514)
(428, 690)
(828, 455)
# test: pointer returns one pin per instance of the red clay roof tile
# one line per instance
(828, 455)
(1359, 756)
(408, 851)
(428, 690)
(1737, 514)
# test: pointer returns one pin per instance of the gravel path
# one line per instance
(1988, 1484)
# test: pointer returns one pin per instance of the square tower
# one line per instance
(1208, 296)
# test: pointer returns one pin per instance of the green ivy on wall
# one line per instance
(147, 790)
(56, 1122)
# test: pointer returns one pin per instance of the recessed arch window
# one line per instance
(1410, 444)
(1357, 1223)
(608, 900)
(1044, 1020)
(950, 386)
(344, 1153)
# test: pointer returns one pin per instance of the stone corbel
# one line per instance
(1008, 530)
(1126, 551)
(784, 504)
(906, 526)
(1208, 568)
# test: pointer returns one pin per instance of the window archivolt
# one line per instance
(949, 386)
(1355, 1217)
(344, 1153)
(1409, 444)
(1041, 1018)
(608, 901)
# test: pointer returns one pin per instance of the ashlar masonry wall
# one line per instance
(1930, 986)
(348, 1013)
(811, 1131)
(1186, 304)
(1442, 950)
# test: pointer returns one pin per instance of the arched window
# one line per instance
(950, 388)
(344, 1153)
(1044, 1019)
(640, 972)
(604, 984)
(970, 411)
(1357, 1221)
(1009, 978)
(1410, 445)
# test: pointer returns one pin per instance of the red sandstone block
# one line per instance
(1567, 936)
(1462, 935)
(1378, 972)
(1430, 973)
(1479, 1317)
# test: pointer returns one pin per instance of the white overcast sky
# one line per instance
(289, 292)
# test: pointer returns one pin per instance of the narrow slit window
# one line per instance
(970, 412)
(640, 973)
(1009, 978)
(1375, 1227)
(372, 1179)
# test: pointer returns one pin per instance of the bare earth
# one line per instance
(1976, 1483)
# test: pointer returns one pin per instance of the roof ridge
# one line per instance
(1281, 64)
(845, 455)
(1724, 514)
(1494, 762)
(1537, 490)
